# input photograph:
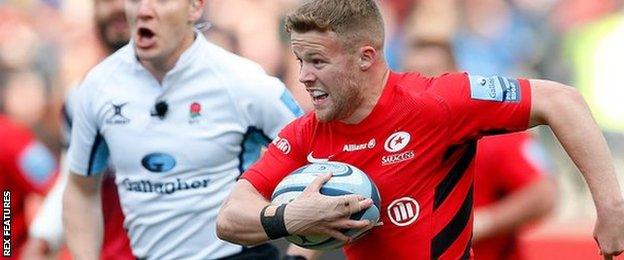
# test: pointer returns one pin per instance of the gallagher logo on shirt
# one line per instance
(158, 162)
(395, 143)
(494, 88)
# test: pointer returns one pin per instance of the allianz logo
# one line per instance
(356, 147)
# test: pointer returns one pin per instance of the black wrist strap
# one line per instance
(273, 222)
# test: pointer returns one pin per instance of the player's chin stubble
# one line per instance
(344, 102)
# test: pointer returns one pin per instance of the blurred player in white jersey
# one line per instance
(179, 118)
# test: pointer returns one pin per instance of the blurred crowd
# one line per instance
(46, 47)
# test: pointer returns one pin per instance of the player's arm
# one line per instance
(524, 205)
(46, 229)
(82, 215)
(569, 117)
(239, 216)
(239, 219)
(87, 158)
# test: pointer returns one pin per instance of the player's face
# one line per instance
(111, 23)
(329, 74)
(161, 28)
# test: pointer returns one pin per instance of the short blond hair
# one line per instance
(354, 21)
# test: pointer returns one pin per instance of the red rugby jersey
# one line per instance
(26, 167)
(116, 244)
(417, 145)
(505, 164)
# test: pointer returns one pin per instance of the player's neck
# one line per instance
(159, 68)
(372, 93)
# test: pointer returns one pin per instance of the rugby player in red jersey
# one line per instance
(27, 167)
(424, 132)
(512, 183)
(512, 188)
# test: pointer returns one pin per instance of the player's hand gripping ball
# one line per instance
(346, 179)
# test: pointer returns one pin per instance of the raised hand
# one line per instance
(609, 232)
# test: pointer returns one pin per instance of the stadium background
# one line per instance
(46, 46)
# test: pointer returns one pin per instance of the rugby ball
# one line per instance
(346, 179)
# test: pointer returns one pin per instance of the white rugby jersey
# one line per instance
(174, 172)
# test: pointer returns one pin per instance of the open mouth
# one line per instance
(318, 95)
(147, 33)
(145, 38)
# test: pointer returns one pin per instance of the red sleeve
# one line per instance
(511, 159)
(284, 155)
(29, 163)
(480, 106)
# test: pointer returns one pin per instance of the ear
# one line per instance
(196, 10)
(368, 56)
